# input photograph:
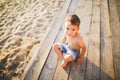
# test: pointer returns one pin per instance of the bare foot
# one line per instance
(64, 63)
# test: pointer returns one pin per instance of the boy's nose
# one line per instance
(69, 33)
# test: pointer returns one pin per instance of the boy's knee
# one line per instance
(55, 46)
(68, 57)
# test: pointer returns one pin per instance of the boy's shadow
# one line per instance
(85, 71)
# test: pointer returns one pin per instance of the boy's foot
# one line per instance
(64, 63)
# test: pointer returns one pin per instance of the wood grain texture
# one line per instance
(93, 57)
(107, 69)
(115, 30)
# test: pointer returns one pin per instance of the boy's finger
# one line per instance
(78, 63)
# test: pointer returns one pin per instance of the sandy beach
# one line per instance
(23, 24)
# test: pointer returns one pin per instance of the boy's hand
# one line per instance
(79, 60)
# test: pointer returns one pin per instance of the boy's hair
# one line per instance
(74, 19)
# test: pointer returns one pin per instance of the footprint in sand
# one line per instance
(41, 20)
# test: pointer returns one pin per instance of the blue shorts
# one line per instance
(66, 49)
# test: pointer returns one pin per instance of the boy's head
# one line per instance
(73, 19)
(72, 23)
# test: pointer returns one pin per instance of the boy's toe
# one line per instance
(64, 63)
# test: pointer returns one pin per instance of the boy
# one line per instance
(72, 42)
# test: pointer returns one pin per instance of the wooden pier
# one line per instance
(100, 29)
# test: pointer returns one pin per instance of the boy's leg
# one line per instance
(56, 48)
(68, 58)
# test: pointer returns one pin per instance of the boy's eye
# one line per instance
(73, 29)
(67, 28)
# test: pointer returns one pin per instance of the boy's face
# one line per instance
(71, 30)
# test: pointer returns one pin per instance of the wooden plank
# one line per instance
(107, 70)
(84, 10)
(72, 6)
(48, 41)
(93, 57)
(49, 68)
(85, 19)
(33, 54)
(118, 8)
(77, 72)
(115, 28)
(61, 73)
(79, 9)
(51, 63)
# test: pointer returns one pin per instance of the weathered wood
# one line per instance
(48, 41)
(61, 74)
(85, 19)
(115, 28)
(107, 69)
(49, 68)
(32, 55)
(79, 9)
(93, 57)
(51, 63)
(72, 6)
(118, 7)
(83, 10)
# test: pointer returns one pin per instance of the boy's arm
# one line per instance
(83, 46)
(63, 39)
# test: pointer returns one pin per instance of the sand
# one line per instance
(23, 24)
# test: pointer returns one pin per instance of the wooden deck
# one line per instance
(100, 29)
